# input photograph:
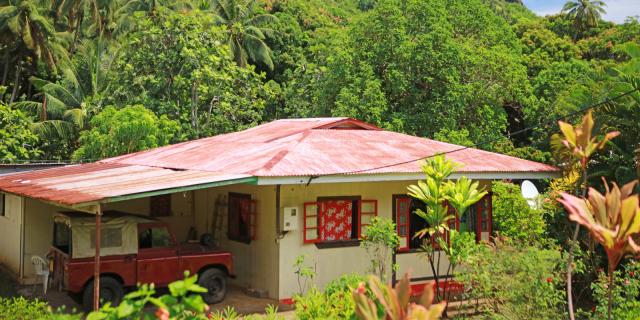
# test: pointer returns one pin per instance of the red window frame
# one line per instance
(317, 216)
(306, 228)
(487, 201)
(371, 214)
(407, 219)
(453, 223)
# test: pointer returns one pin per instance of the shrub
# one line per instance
(334, 303)
(304, 273)
(318, 305)
(626, 293)
(346, 283)
(23, 309)
(380, 239)
(512, 215)
(515, 281)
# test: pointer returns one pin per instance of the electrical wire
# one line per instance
(542, 124)
(8, 161)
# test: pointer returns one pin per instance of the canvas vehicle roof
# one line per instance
(119, 232)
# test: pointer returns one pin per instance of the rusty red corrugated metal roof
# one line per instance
(318, 147)
(292, 147)
(84, 183)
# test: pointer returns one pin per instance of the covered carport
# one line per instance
(92, 187)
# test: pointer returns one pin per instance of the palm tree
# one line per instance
(246, 30)
(66, 105)
(33, 36)
(585, 13)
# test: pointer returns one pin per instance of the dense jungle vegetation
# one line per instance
(467, 72)
(82, 80)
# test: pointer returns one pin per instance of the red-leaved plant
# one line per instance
(612, 219)
(576, 144)
(395, 302)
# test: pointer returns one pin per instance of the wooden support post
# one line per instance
(96, 265)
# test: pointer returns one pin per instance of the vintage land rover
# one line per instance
(134, 249)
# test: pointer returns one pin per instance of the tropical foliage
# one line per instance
(132, 128)
(92, 79)
(17, 141)
(513, 216)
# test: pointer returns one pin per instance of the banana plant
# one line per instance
(395, 302)
(613, 219)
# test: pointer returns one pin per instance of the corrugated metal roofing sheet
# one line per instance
(293, 147)
(84, 183)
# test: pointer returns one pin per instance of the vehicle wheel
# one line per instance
(215, 281)
(111, 290)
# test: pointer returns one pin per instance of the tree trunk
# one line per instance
(43, 113)
(16, 83)
(76, 34)
(610, 292)
(194, 108)
(5, 71)
(574, 239)
(570, 272)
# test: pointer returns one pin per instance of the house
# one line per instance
(268, 194)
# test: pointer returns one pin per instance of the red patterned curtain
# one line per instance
(335, 219)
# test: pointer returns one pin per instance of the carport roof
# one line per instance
(108, 182)
(317, 147)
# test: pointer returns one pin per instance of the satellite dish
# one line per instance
(530, 193)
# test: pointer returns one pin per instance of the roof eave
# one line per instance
(91, 206)
(411, 176)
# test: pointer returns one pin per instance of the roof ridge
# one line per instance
(275, 160)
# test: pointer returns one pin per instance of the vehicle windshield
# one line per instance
(62, 237)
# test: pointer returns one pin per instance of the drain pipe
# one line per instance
(279, 233)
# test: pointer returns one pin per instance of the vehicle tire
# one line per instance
(215, 281)
(111, 290)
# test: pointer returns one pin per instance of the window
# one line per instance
(110, 237)
(476, 219)
(241, 217)
(160, 206)
(3, 209)
(408, 223)
(154, 237)
(334, 219)
(61, 237)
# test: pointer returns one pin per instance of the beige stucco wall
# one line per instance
(267, 262)
(332, 263)
(11, 229)
(256, 263)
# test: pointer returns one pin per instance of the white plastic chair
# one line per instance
(42, 270)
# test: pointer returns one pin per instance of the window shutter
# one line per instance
(403, 226)
(311, 222)
(367, 210)
(484, 218)
(253, 218)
